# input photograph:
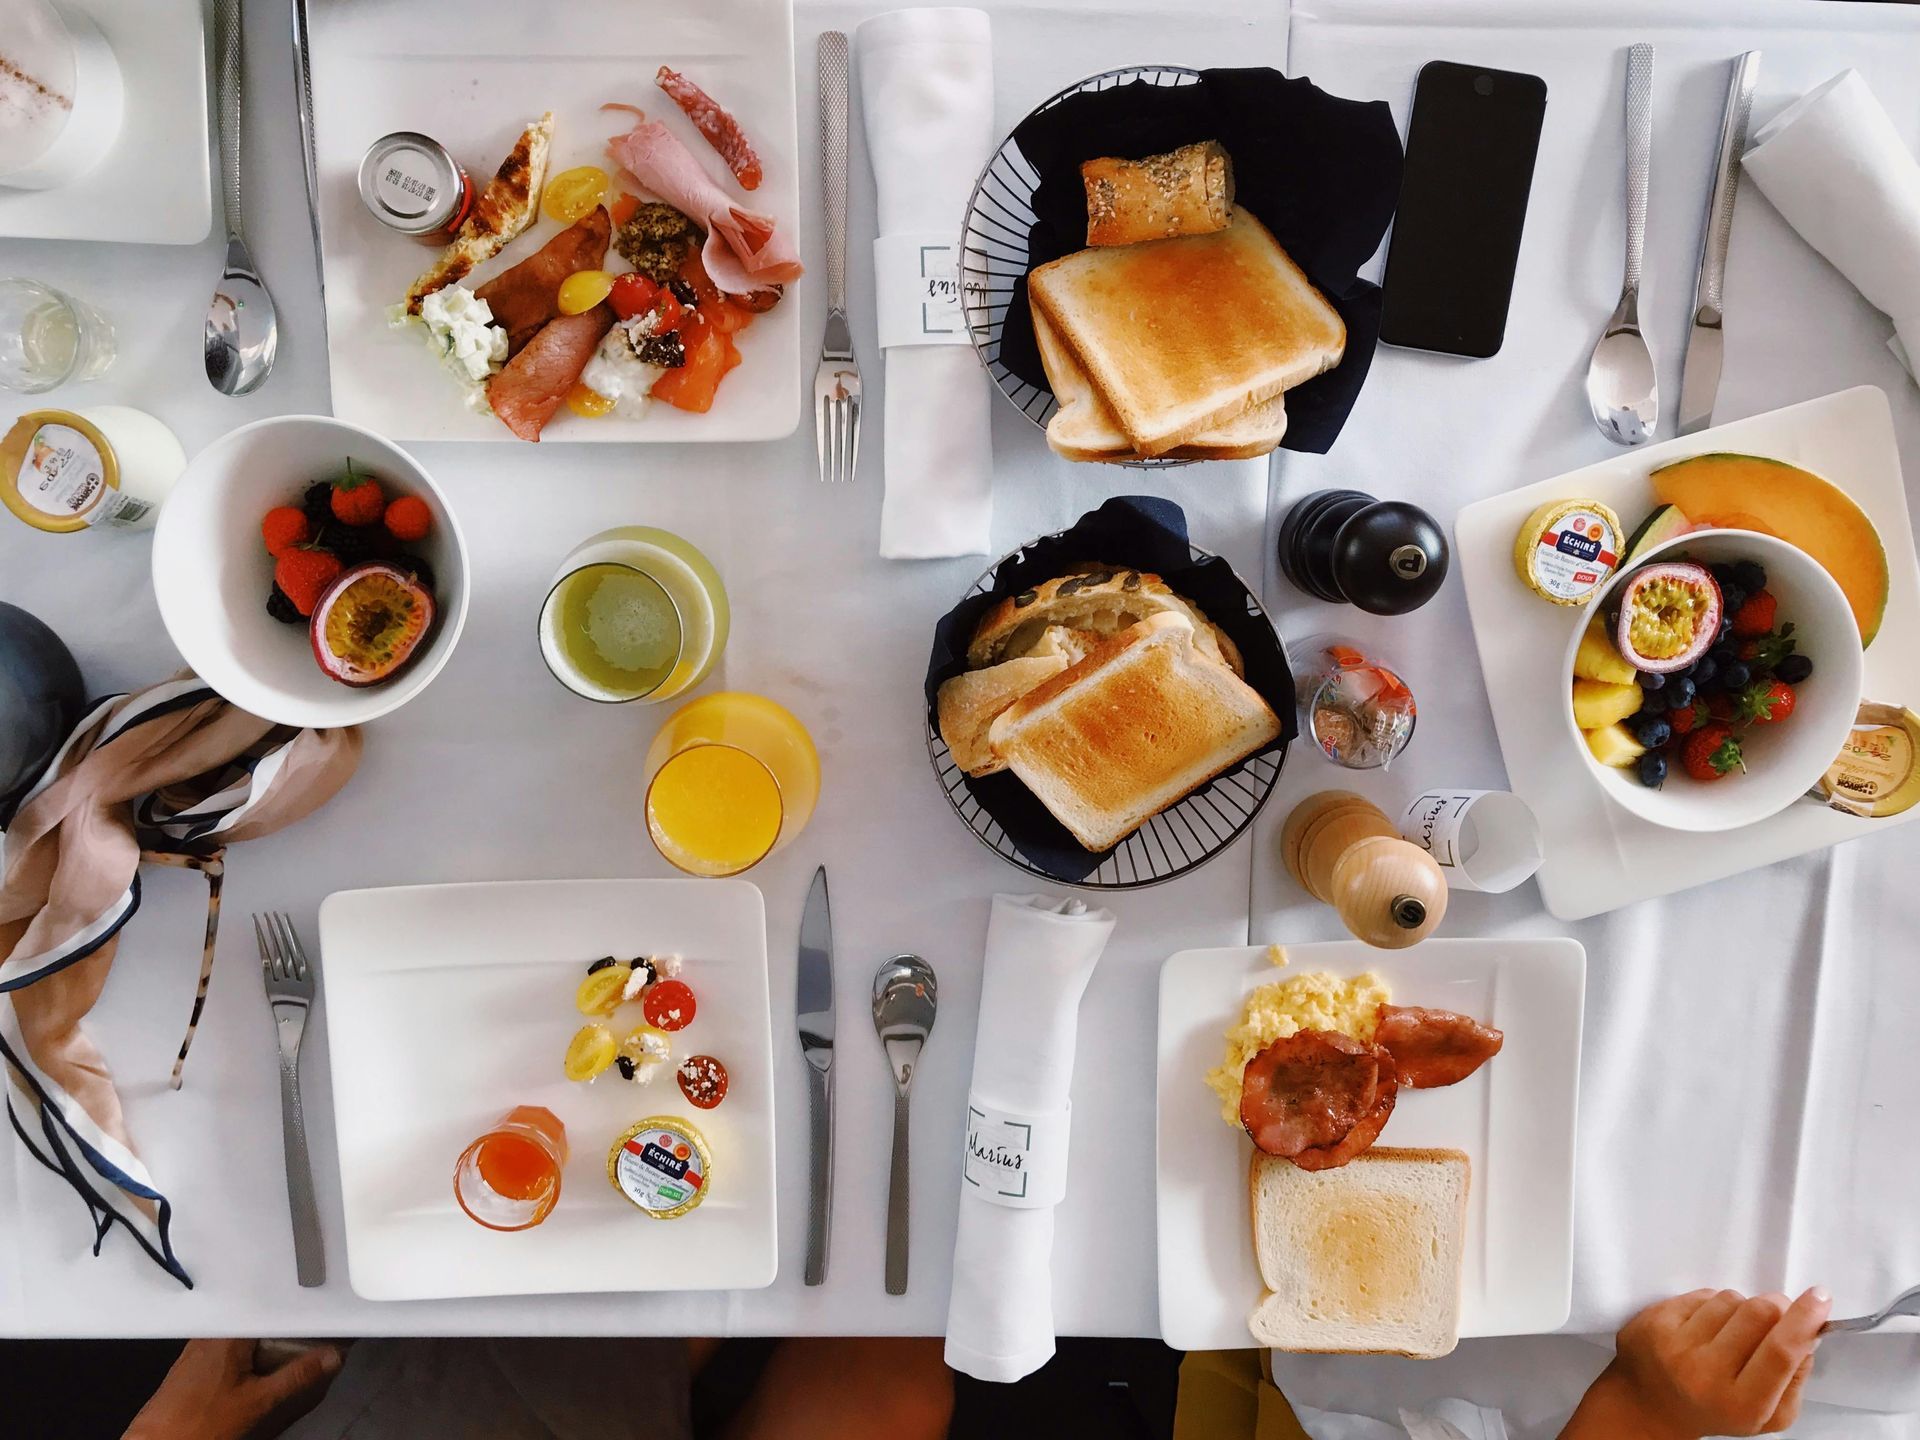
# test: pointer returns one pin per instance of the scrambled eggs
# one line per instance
(1318, 1001)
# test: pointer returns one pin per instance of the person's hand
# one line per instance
(1709, 1363)
(211, 1393)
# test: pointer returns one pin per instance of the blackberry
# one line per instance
(318, 503)
(282, 609)
(1750, 576)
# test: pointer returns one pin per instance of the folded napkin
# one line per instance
(1041, 951)
(1835, 166)
(174, 768)
(926, 94)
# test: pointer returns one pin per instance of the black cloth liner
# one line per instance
(1320, 172)
(1142, 532)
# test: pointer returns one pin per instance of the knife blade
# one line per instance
(1706, 343)
(814, 1005)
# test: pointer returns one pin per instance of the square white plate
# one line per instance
(384, 65)
(1514, 1118)
(448, 1005)
(152, 187)
(1597, 856)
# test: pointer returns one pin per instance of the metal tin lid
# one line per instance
(57, 471)
(410, 182)
(662, 1165)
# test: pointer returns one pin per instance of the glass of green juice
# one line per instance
(633, 613)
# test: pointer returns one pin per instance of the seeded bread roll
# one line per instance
(1103, 599)
(1188, 191)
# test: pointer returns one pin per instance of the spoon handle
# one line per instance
(1639, 155)
(227, 98)
(897, 1202)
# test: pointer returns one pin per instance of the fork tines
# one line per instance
(282, 959)
(836, 416)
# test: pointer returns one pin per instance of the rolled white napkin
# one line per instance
(1041, 951)
(926, 95)
(1835, 166)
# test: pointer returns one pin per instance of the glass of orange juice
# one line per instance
(730, 779)
(509, 1179)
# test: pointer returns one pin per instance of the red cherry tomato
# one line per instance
(671, 312)
(668, 1005)
(632, 294)
(703, 1080)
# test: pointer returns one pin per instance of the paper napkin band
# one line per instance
(1016, 1158)
(917, 289)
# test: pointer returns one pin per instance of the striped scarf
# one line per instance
(179, 769)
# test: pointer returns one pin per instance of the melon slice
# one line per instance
(1749, 492)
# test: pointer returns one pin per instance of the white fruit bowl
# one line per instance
(212, 573)
(1783, 760)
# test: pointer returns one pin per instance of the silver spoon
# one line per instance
(1907, 1304)
(1622, 388)
(904, 996)
(241, 333)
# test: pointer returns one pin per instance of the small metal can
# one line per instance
(412, 184)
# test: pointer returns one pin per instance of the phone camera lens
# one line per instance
(1483, 84)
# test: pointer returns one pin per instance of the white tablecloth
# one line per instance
(1747, 1088)
(497, 773)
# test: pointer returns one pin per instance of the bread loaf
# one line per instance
(1188, 191)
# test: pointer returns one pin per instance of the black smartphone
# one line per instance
(1463, 204)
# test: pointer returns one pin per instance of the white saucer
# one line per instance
(153, 186)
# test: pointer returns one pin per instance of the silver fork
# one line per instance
(1907, 1304)
(836, 384)
(289, 979)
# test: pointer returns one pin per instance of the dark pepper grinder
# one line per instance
(1385, 556)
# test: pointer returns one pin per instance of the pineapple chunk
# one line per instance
(1596, 659)
(1614, 745)
(1597, 704)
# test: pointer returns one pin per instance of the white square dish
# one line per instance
(448, 1005)
(1514, 1118)
(381, 66)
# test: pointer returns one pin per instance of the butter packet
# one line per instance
(1877, 773)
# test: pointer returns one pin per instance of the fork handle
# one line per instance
(834, 106)
(309, 1258)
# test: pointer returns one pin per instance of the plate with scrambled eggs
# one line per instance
(1515, 1119)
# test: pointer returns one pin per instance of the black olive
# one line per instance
(602, 963)
(626, 1066)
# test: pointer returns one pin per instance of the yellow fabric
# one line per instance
(1230, 1395)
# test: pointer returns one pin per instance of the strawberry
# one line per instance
(1755, 618)
(304, 573)
(1765, 702)
(284, 528)
(408, 518)
(1720, 707)
(1710, 753)
(1687, 717)
(357, 499)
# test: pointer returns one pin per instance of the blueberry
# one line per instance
(1653, 733)
(1736, 675)
(1653, 702)
(1704, 669)
(1732, 597)
(1651, 681)
(1794, 669)
(1750, 576)
(1723, 656)
(1726, 627)
(1653, 770)
(1723, 573)
(1680, 693)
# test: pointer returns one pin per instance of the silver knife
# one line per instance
(814, 1001)
(1700, 378)
(303, 111)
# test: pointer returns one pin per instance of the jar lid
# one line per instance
(1878, 772)
(410, 182)
(662, 1165)
(56, 470)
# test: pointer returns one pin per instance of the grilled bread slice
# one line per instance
(1178, 335)
(1084, 427)
(504, 209)
(1141, 722)
(1362, 1259)
(1102, 599)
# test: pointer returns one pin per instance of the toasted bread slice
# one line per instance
(1178, 335)
(1145, 719)
(1101, 599)
(967, 704)
(504, 209)
(1084, 427)
(1363, 1259)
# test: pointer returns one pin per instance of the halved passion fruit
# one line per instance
(369, 623)
(1669, 616)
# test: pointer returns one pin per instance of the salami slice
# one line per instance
(1435, 1047)
(1307, 1090)
(1365, 1131)
(722, 131)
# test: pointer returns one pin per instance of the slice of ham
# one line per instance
(1435, 1047)
(535, 382)
(1307, 1090)
(1365, 1131)
(526, 297)
(744, 251)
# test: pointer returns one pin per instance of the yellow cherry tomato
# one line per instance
(584, 290)
(572, 193)
(592, 404)
(591, 1050)
(599, 993)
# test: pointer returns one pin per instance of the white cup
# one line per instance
(61, 98)
(1485, 840)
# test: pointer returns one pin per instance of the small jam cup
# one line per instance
(509, 1178)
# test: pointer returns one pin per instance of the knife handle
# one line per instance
(1726, 184)
(820, 1182)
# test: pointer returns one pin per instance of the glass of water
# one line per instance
(48, 338)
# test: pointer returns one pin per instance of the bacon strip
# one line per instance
(744, 252)
(1307, 1090)
(535, 382)
(1361, 1137)
(1435, 1047)
(721, 130)
(526, 297)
